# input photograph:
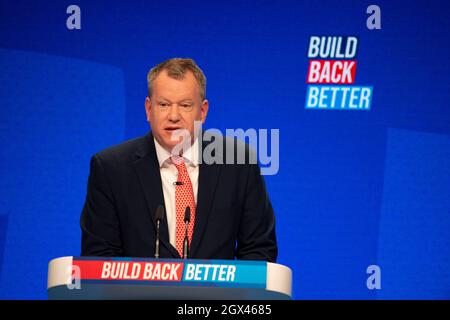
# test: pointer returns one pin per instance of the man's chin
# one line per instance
(171, 145)
(167, 142)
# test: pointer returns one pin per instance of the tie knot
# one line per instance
(178, 162)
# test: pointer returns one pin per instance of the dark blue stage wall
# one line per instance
(362, 194)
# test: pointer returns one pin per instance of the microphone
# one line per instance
(178, 183)
(159, 215)
(187, 219)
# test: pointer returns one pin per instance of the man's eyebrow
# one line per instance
(162, 98)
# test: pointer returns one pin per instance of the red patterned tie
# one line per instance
(184, 197)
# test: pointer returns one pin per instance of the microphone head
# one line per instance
(159, 213)
(187, 214)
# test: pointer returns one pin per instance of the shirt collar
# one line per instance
(190, 156)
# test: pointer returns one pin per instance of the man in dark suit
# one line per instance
(231, 214)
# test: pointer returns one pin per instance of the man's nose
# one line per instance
(174, 113)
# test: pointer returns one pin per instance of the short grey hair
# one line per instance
(176, 68)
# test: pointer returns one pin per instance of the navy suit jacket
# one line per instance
(234, 216)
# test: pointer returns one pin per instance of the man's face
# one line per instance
(175, 104)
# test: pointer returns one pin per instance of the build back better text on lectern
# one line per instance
(142, 278)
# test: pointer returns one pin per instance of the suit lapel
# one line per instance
(207, 182)
(147, 169)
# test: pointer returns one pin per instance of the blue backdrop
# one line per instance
(354, 188)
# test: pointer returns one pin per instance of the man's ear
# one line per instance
(204, 110)
(148, 107)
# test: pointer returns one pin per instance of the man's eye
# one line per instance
(163, 104)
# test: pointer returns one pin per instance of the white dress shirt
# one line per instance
(169, 175)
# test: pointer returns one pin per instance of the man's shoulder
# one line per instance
(125, 150)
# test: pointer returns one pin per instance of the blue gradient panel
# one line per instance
(66, 94)
(55, 112)
(3, 226)
(414, 244)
